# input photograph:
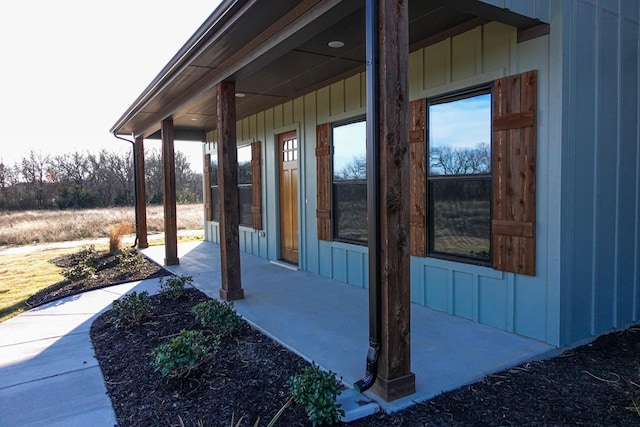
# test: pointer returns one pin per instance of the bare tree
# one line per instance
(445, 160)
(33, 171)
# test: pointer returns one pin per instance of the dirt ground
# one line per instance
(596, 385)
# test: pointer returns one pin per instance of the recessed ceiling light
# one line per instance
(240, 95)
(335, 44)
(193, 119)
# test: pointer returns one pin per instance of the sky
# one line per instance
(71, 68)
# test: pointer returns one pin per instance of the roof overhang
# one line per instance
(278, 51)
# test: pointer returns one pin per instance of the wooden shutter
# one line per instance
(256, 185)
(514, 173)
(417, 171)
(323, 171)
(208, 213)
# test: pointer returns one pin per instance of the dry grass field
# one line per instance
(35, 227)
(22, 274)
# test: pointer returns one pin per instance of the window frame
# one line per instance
(483, 89)
(334, 204)
(245, 186)
(213, 177)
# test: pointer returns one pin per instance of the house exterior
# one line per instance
(515, 186)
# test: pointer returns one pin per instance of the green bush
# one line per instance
(88, 255)
(317, 390)
(217, 315)
(131, 309)
(80, 271)
(128, 258)
(174, 286)
(183, 354)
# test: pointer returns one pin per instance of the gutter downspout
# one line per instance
(373, 198)
(135, 187)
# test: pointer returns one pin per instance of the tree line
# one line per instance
(83, 180)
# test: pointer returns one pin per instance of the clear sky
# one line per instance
(70, 68)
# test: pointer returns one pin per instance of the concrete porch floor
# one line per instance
(326, 321)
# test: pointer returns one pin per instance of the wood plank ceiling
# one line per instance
(274, 52)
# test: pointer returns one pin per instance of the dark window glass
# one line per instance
(350, 182)
(245, 185)
(213, 177)
(459, 178)
(461, 217)
(350, 207)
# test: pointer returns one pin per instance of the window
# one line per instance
(245, 186)
(349, 182)
(459, 176)
(213, 178)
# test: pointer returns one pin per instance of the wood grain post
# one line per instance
(395, 379)
(231, 287)
(169, 194)
(140, 191)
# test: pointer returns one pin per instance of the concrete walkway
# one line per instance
(49, 375)
(326, 321)
(48, 372)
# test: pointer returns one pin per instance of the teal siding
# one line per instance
(537, 9)
(527, 306)
(601, 167)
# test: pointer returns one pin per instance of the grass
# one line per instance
(31, 227)
(24, 274)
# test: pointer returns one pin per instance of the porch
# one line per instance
(326, 321)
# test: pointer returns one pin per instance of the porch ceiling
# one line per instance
(277, 51)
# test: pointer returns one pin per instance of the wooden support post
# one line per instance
(140, 191)
(231, 287)
(169, 194)
(395, 379)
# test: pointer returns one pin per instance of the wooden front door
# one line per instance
(288, 155)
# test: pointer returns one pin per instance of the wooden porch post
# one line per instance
(169, 194)
(395, 379)
(231, 287)
(140, 191)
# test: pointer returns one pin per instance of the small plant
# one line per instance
(128, 259)
(88, 255)
(116, 232)
(131, 309)
(317, 390)
(80, 271)
(184, 353)
(174, 286)
(217, 315)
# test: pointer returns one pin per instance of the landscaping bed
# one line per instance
(109, 270)
(597, 384)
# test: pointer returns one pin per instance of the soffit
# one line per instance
(275, 52)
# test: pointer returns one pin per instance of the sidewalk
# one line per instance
(48, 372)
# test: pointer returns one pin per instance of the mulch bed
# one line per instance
(596, 385)
(109, 272)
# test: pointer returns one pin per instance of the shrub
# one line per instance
(88, 255)
(128, 258)
(184, 353)
(79, 271)
(317, 390)
(217, 315)
(116, 232)
(131, 309)
(174, 286)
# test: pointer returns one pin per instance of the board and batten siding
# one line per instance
(515, 303)
(537, 9)
(601, 163)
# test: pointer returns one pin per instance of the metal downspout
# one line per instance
(135, 187)
(373, 198)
